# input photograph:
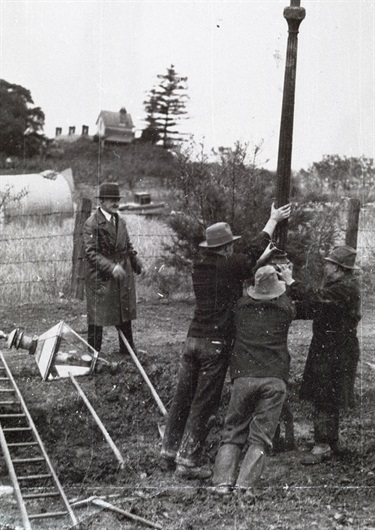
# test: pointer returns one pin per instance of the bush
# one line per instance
(236, 191)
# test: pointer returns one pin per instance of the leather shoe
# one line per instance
(195, 472)
(319, 453)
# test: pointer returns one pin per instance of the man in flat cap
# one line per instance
(328, 379)
(110, 263)
(218, 276)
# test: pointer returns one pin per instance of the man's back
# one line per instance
(260, 349)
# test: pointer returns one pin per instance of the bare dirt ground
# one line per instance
(337, 494)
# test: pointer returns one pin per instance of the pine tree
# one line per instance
(164, 107)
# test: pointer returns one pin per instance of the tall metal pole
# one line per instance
(294, 15)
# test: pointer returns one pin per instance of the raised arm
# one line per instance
(277, 215)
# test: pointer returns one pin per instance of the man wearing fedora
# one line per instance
(259, 370)
(328, 379)
(218, 276)
(110, 263)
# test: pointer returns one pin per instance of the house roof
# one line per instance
(112, 120)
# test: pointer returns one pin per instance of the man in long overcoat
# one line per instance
(328, 379)
(110, 262)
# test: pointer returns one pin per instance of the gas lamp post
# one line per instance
(294, 15)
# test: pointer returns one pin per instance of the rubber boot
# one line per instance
(226, 465)
(252, 467)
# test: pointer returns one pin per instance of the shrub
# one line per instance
(233, 189)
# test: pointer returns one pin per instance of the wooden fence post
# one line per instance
(353, 220)
(78, 268)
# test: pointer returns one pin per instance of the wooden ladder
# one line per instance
(34, 481)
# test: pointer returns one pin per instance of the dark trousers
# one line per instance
(95, 336)
(254, 410)
(197, 397)
(326, 425)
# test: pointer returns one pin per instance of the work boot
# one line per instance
(251, 468)
(319, 453)
(192, 472)
(226, 465)
(167, 460)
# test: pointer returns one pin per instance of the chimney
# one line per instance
(58, 131)
(72, 130)
(123, 115)
(85, 130)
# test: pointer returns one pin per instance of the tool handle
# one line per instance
(143, 373)
(108, 506)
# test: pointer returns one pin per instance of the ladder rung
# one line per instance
(22, 444)
(35, 477)
(16, 429)
(9, 402)
(18, 415)
(40, 495)
(27, 460)
(4, 379)
(47, 514)
(7, 390)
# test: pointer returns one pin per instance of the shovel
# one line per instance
(159, 402)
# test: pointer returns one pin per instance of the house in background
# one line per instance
(115, 127)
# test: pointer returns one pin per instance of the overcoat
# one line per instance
(328, 379)
(110, 301)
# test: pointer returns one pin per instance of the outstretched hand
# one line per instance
(285, 272)
(280, 214)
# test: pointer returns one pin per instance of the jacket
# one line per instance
(218, 284)
(328, 379)
(260, 348)
(110, 301)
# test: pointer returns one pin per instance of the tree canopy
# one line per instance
(21, 124)
(165, 106)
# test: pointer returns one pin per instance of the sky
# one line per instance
(79, 57)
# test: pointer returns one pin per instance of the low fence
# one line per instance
(43, 261)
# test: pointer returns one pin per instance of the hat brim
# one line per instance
(279, 289)
(204, 244)
(354, 268)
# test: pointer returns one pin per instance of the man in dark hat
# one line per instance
(328, 379)
(218, 276)
(110, 263)
(259, 370)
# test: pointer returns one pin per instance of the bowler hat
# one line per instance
(267, 284)
(217, 235)
(344, 256)
(109, 190)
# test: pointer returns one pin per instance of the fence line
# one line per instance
(37, 258)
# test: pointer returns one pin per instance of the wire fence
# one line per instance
(37, 254)
(36, 261)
